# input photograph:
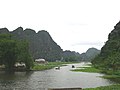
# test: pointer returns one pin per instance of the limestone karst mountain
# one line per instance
(41, 43)
(89, 54)
(109, 57)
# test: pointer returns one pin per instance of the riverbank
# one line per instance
(91, 69)
(49, 65)
(52, 78)
(111, 87)
(40, 67)
(111, 76)
(87, 69)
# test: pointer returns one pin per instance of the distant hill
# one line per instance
(89, 54)
(41, 44)
(71, 56)
(75, 56)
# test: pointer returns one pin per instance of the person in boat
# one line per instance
(57, 67)
(73, 66)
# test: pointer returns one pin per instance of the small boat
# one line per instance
(57, 68)
(73, 66)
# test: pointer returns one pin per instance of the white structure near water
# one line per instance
(40, 61)
(20, 64)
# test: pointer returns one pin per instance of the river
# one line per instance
(42, 80)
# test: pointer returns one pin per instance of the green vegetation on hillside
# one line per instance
(109, 58)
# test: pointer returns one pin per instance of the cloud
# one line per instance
(77, 24)
(89, 44)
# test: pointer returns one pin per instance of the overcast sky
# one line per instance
(75, 25)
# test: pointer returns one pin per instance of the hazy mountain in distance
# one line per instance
(41, 45)
(71, 56)
(89, 54)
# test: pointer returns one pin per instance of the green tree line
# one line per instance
(13, 51)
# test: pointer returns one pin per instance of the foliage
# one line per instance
(8, 51)
(111, 76)
(41, 44)
(23, 54)
(109, 58)
(113, 62)
(12, 51)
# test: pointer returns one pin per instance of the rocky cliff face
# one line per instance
(41, 44)
(109, 58)
(113, 44)
(115, 33)
(4, 30)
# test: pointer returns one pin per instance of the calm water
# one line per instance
(41, 80)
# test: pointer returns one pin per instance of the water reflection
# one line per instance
(14, 76)
(41, 80)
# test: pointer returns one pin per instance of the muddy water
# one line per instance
(42, 80)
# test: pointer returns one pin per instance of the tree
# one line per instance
(113, 62)
(12, 51)
(7, 51)
(23, 54)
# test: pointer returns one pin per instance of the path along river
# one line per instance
(42, 80)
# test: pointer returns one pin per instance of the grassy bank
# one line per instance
(90, 68)
(49, 65)
(114, 76)
(87, 68)
(111, 87)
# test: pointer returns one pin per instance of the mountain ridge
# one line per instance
(41, 43)
(90, 54)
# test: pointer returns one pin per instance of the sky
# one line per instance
(75, 25)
